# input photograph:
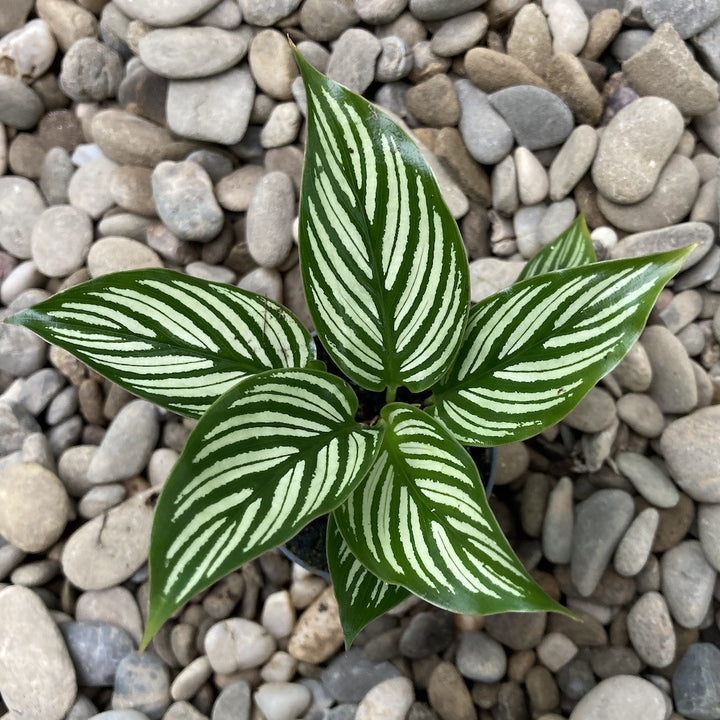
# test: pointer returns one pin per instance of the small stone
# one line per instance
(470, 176)
(595, 412)
(272, 64)
(600, 523)
(568, 24)
(68, 21)
(269, 219)
(114, 606)
(90, 71)
(538, 118)
(233, 703)
(687, 583)
(37, 678)
(556, 220)
(434, 102)
(709, 532)
(480, 658)
(142, 682)
(641, 413)
(558, 523)
(395, 60)
(237, 644)
(634, 149)
(530, 40)
(96, 650)
(282, 701)
(55, 175)
(448, 694)
(491, 70)
(34, 507)
(89, 188)
(29, 51)
(183, 195)
(14, 14)
(128, 443)
(186, 53)
(166, 13)
(687, 20)
(532, 178)
(708, 48)
(125, 534)
(191, 678)
(278, 614)
(634, 548)
(434, 10)
(624, 697)
(61, 240)
(389, 700)
(282, 126)
(651, 631)
(20, 106)
(490, 275)
(264, 14)
(604, 27)
(231, 96)
(326, 19)
(21, 204)
(458, 34)
(567, 77)
(183, 711)
(113, 254)
(556, 650)
(352, 61)
(696, 690)
(673, 385)
(131, 189)
(427, 633)
(487, 136)
(518, 631)
(350, 676)
(648, 479)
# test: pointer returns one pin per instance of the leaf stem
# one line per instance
(390, 394)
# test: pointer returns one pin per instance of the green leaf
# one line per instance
(420, 519)
(572, 248)
(270, 455)
(361, 596)
(175, 340)
(382, 260)
(531, 352)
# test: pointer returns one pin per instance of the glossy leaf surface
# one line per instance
(531, 352)
(382, 260)
(572, 248)
(274, 452)
(361, 596)
(176, 340)
(420, 519)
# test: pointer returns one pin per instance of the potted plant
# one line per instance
(277, 442)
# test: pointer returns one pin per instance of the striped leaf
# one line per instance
(175, 340)
(572, 248)
(361, 596)
(531, 352)
(382, 260)
(420, 519)
(270, 455)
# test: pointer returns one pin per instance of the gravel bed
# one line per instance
(169, 133)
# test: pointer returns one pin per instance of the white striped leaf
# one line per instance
(531, 352)
(420, 519)
(175, 340)
(382, 260)
(572, 248)
(269, 456)
(361, 596)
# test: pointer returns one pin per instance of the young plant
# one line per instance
(277, 442)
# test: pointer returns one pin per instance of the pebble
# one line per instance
(14, 15)
(191, 52)
(238, 644)
(142, 682)
(61, 240)
(282, 126)
(487, 136)
(641, 413)
(649, 479)
(166, 13)
(490, 275)
(89, 187)
(634, 149)
(20, 105)
(282, 700)
(231, 95)
(352, 61)
(687, 20)
(29, 51)
(113, 254)
(448, 694)
(269, 219)
(595, 412)
(114, 606)
(96, 650)
(480, 658)
(125, 534)
(665, 67)
(34, 506)
(131, 189)
(55, 175)
(459, 34)
(695, 682)
(708, 48)
(530, 40)
(556, 650)
(278, 614)
(427, 633)
(21, 204)
(600, 522)
(234, 191)
(351, 675)
(433, 10)
(395, 60)
(635, 546)
(687, 583)
(568, 24)
(709, 532)
(272, 64)
(263, 14)
(650, 630)
(128, 444)
(569, 79)
(233, 702)
(573, 161)
(491, 70)
(532, 179)
(37, 678)
(183, 195)
(623, 697)
(538, 118)
(434, 101)
(517, 631)
(389, 700)
(669, 202)
(91, 71)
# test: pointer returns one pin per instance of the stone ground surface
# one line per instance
(170, 133)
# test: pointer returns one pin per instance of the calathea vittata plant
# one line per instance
(277, 443)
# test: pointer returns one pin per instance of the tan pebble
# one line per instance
(491, 70)
(318, 632)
